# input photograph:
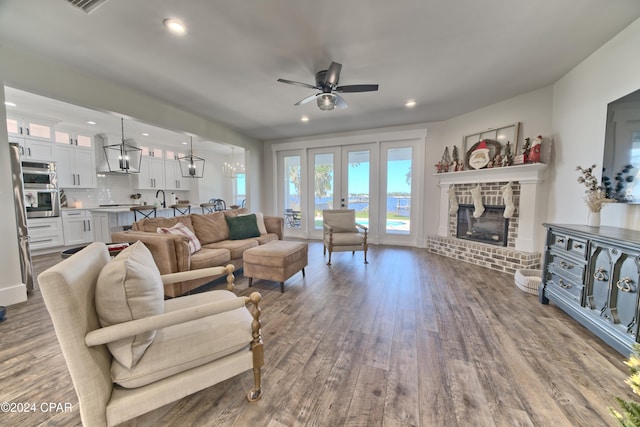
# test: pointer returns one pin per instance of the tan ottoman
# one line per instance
(277, 260)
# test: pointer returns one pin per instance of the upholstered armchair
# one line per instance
(127, 360)
(342, 233)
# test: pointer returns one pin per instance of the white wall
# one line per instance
(580, 101)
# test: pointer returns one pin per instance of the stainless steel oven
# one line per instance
(41, 196)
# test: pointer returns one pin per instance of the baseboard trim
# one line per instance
(13, 294)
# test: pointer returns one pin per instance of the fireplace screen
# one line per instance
(491, 227)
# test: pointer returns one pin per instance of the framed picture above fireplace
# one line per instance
(496, 139)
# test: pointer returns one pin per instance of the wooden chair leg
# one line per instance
(250, 281)
(302, 271)
(282, 287)
(256, 348)
(329, 263)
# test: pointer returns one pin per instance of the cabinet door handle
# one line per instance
(600, 275)
(29, 149)
(564, 285)
(73, 214)
(40, 226)
(74, 178)
(21, 132)
(84, 225)
(78, 179)
(88, 225)
(624, 284)
(578, 246)
(28, 133)
(560, 240)
(566, 265)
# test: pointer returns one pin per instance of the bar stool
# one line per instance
(145, 211)
(181, 209)
(207, 208)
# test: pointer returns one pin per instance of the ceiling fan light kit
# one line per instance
(327, 83)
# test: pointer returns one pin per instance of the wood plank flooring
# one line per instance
(411, 339)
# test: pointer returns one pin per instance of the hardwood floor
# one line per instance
(411, 339)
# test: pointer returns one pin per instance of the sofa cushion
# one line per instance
(150, 225)
(236, 247)
(210, 227)
(182, 230)
(266, 238)
(243, 227)
(128, 288)
(209, 257)
(206, 340)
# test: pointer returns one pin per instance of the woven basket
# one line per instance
(528, 280)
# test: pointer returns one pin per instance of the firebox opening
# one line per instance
(492, 227)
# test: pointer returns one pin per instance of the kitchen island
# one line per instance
(109, 219)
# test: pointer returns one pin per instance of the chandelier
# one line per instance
(191, 166)
(123, 157)
(233, 168)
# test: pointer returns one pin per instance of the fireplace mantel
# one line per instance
(532, 206)
(533, 172)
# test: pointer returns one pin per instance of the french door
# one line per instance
(374, 179)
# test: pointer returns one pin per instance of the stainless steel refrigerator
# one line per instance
(21, 216)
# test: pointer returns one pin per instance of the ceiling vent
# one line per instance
(87, 5)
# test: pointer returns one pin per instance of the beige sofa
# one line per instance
(172, 254)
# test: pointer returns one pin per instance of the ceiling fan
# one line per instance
(327, 84)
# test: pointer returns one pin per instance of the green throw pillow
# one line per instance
(242, 227)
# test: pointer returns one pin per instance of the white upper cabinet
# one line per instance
(26, 127)
(76, 166)
(151, 176)
(173, 174)
(76, 137)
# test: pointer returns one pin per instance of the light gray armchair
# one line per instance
(342, 233)
(123, 369)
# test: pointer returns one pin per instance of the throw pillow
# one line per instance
(183, 230)
(242, 227)
(129, 287)
(259, 221)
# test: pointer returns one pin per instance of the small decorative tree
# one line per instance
(631, 410)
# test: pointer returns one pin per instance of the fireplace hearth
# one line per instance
(491, 227)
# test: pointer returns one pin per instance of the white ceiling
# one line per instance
(450, 56)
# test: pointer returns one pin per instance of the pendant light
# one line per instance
(233, 168)
(123, 157)
(191, 166)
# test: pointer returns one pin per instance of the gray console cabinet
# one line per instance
(592, 273)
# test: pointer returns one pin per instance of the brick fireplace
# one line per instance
(525, 234)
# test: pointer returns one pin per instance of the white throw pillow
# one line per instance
(183, 230)
(129, 287)
(259, 221)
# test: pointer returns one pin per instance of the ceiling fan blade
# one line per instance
(333, 74)
(307, 99)
(340, 102)
(291, 82)
(356, 88)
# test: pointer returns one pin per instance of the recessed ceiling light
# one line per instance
(91, 122)
(304, 119)
(145, 134)
(184, 143)
(410, 103)
(175, 26)
(9, 104)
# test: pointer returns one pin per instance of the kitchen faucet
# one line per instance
(164, 200)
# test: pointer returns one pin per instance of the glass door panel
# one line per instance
(323, 179)
(398, 198)
(291, 190)
(358, 181)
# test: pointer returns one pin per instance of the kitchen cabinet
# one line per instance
(76, 166)
(593, 273)
(29, 127)
(173, 176)
(75, 137)
(151, 176)
(34, 149)
(108, 220)
(77, 226)
(45, 233)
